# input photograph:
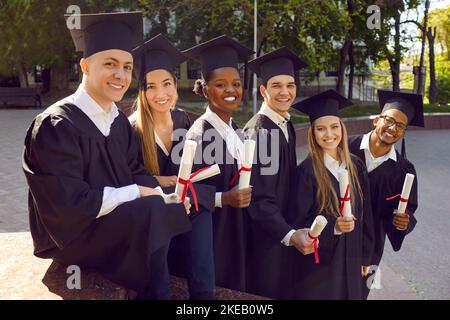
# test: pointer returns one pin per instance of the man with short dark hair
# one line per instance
(387, 169)
(91, 203)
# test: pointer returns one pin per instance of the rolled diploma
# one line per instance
(249, 152)
(210, 172)
(187, 159)
(171, 198)
(407, 185)
(318, 225)
(343, 182)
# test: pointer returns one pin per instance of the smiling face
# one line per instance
(161, 90)
(279, 93)
(328, 133)
(107, 75)
(389, 135)
(224, 90)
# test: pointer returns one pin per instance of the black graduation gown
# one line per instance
(181, 123)
(338, 274)
(386, 181)
(177, 255)
(229, 224)
(268, 267)
(67, 162)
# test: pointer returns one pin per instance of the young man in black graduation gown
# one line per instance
(271, 238)
(90, 201)
(220, 142)
(387, 169)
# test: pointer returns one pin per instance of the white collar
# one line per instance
(333, 165)
(233, 142)
(274, 116)
(365, 145)
(89, 106)
(217, 122)
(160, 143)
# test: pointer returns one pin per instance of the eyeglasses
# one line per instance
(391, 121)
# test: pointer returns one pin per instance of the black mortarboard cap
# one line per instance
(278, 62)
(327, 103)
(218, 53)
(157, 53)
(105, 31)
(410, 104)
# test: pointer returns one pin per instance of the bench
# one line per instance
(26, 277)
(20, 97)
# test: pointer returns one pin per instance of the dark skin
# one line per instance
(381, 141)
(224, 93)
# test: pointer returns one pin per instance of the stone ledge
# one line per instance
(26, 277)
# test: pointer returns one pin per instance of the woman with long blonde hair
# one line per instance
(161, 129)
(346, 244)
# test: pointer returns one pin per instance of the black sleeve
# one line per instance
(263, 209)
(53, 166)
(304, 211)
(367, 214)
(396, 236)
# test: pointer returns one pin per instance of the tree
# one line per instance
(35, 33)
(391, 11)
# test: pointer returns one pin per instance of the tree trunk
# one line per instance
(395, 61)
(59, 77)
(342, 64)
(421, 80)
(352, 71)
(433, 91)
(23, 77)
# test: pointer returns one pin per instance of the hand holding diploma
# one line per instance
(237, 198)
(301, 241)
(400, 221)
(401, 217)
(344, 224)
(314, 232)
(406, 190)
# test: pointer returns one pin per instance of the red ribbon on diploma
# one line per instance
(345, 199)
(397, 195)
(236, 175)
(316, 250)
(188, 184)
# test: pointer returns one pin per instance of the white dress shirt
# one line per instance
(234, 144)
(371, 162)
(112, 197)
(276, 118)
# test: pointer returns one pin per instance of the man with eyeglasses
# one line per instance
(387, 169)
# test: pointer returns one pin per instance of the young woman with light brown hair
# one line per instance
(346, 244)
(161, 128)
